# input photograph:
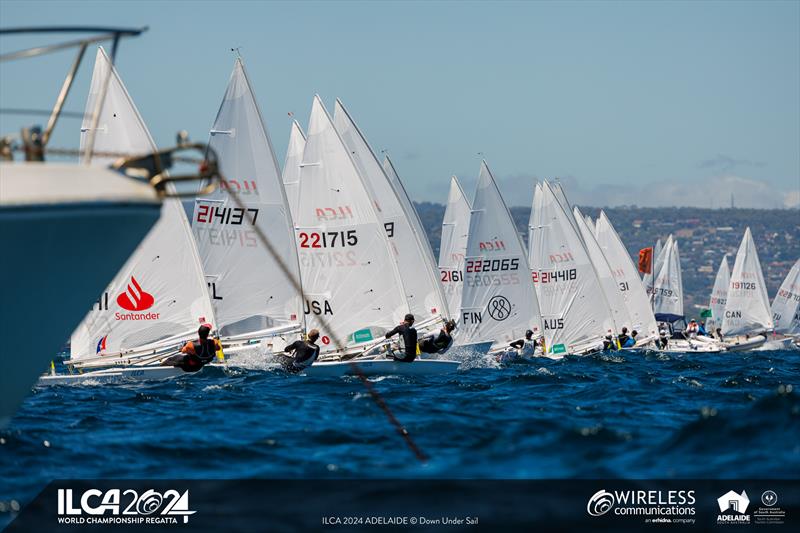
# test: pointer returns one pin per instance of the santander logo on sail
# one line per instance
(135, 299)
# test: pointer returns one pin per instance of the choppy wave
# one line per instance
(628, 415)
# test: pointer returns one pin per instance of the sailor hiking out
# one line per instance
(195, 354)
(441, 342)
(305, 352)
(409, 335)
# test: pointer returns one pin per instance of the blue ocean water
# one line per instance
(727, 415)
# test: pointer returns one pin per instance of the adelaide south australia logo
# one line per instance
(733, 508)
(135, 299)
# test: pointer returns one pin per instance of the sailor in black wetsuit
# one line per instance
(623, 337)
(439, 343)
(409, 335)
(305, 352)
(195, 354)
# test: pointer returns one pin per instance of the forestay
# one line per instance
(349, 273)
(575, 314)
(626, 275)
(420, 279)
(747, 310)
(249, 291)
(668, 285)
(608, 282)
(719, 295)
(786, 305)
(291, 166)
(453, 245)
(159, 297)
(499, 301)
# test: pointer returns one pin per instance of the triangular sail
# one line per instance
(668, 285)
(249, 291)
(419, 234)
(627, 277)
(159, 296)
(747, 310)
(619, 311)
(499, 301)
(453, 245)
(349, 274)
(291, 167)
(786, 305)
(425, 299)
(719, 296)
(659, 253)
(574, 311)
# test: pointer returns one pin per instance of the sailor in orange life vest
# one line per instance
(195, 354)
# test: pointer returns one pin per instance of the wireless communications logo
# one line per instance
(653, 506)
(115, 506)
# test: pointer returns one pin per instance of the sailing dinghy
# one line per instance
(498, 303)
(157, 301)
(407, 240)
(254, 303)
(575, 313)
(628, 281)
(786, 313)
(667, 291)
(719, 296)
(354, 292)
(748, 317)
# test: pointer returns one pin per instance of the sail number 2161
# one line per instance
(328, 239)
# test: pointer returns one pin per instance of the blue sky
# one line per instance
(653, 103)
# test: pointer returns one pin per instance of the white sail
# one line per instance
(160, 294)
(291, 167)
(747, 310)
(420, 280)
(349, 273)
(668, 285)
(499, 301)
(424, 244)
(453, 245)
(719, 295)
(627, 276)
(574, 311)
(248, 290)
(608, 282)
(659, 253)
(786, 305)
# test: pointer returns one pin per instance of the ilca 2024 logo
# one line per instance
(116, 506)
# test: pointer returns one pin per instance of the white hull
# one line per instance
(785, 343)
(420, 367)
(742, 344)
(113, 375)
(56, 220)
(693, 346)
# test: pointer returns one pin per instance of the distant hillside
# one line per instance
(704, 236)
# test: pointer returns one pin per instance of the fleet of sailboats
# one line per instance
(342, 225)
